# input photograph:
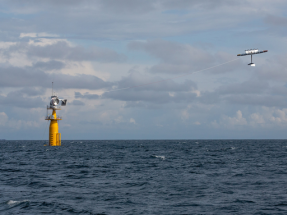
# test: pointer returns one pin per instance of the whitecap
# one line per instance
(233, 148)
(160, 156)
(12, 202)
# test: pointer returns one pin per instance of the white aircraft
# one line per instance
(252, 52)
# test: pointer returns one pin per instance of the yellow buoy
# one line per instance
(54, 135)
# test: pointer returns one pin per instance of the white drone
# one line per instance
(252, 52)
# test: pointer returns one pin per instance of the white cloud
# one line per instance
(257, 118)
(33, 35)
(28, 35)
(237, 120)
(230, 122)
(279, 116)
(8, 123)
(4, 118)
(132, 121)
(184, 114)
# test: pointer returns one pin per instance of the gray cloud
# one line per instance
(209, 4)
(33, 91)
(275, 20)
(31, 77)
(178, 58)
(248, 87)
(250, 92)
(258, 100)
(138, 82)
(20, 77)
(86, 96)
(77, 102)
(255, 93)
(19, 99)
(274, 68)
(63, 51)
(150, 96)
(128, 6)
(127, 19)
(50, 65)
(134, 97)
(124, 6)
(160, 92)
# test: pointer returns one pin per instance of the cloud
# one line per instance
(33, 77)
(247, 87)
(7, 123)
(77, 102)
(128, 6)
(257, 118)
(256, 93)
(32, 91)
(123, 7)
(158, 92)
(138, 82)
(130, 19)
(4, 118)
(209, 4)
(237, 120)
(22, 99)
(132, 121)
(230, 123)
(176, 58)
(266, 117)
(50, 65)
(273, 69)
(37, 35)
(62, 50)
(86, 95)
(275, 20)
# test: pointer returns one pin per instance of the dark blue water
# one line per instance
(144, 177)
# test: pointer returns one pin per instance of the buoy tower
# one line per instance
(54, 135)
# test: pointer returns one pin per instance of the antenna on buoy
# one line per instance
(52, 87)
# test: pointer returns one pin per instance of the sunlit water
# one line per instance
(144, 177)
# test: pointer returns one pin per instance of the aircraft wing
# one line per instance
(252, 53)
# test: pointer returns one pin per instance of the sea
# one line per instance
(144, 177)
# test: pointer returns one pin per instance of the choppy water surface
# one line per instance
(144, 177)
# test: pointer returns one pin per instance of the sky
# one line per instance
(181, 55)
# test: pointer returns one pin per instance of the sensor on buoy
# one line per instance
(54, 135)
